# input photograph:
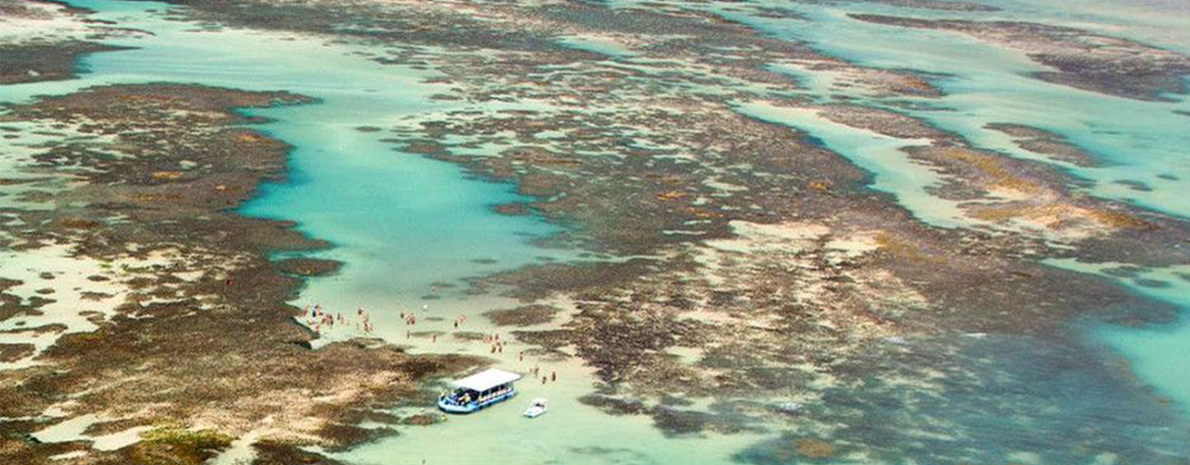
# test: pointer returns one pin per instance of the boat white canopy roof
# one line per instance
(486, 379)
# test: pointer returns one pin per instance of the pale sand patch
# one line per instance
(1106, 458)
(47, 22)
(855, 245)
(756, 237)
(725, 188)
(69, 430)
(1026, 458)
(118, 440)
(1046, 217)
(685, 355)
(241, 451)
(614, 45)
(720, 258)
(70, 455)
(73, 429)
(60, 409)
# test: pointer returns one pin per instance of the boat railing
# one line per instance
(468, 398)
(494, 395)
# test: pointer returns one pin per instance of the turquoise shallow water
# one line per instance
(1159, 355)
(402, 222)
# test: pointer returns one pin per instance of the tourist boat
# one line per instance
(478, 391)
(536, 408)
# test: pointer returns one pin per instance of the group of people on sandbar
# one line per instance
(493, 340)
(536, 371)
(317, 319)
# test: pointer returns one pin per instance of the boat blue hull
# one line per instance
(450, 407)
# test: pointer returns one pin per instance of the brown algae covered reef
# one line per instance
(751, 279)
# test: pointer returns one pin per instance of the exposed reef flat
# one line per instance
(1081, 59)
(42, 41)
(13, 352)
(883, 121)
(527, 315)
(39, 62)
(194, 345)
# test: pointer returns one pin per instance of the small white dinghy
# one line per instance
(536, 408)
